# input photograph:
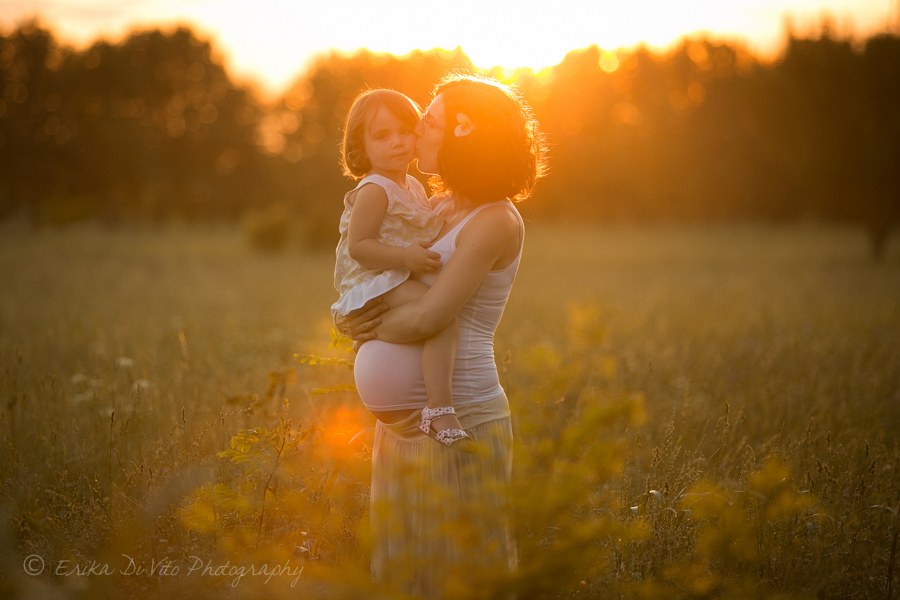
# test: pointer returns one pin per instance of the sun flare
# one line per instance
(272, 40)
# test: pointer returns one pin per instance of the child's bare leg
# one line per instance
(438, 358)
(407, 291)
(438, 355)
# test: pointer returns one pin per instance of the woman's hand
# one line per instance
(359, 323)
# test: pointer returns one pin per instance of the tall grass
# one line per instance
(698, 412)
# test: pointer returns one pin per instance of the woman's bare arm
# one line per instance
(481, 244)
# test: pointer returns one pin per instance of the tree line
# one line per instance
(154, 127)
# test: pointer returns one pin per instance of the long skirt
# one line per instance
(440, 521)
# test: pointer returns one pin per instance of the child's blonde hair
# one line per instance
(354, 161)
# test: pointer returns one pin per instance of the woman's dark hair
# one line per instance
(354, 161)
(503, 155)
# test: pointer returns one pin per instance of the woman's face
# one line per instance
(430, 132)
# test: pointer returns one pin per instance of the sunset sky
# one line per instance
(270, 41)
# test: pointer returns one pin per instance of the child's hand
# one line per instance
(419, 259)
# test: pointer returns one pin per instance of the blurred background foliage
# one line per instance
(154, 128)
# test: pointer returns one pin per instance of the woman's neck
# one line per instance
(463, 204)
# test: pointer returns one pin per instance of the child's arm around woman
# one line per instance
(369, 208)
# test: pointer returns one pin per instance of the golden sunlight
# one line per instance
(343, 427)
(609, 62)
(272, 40)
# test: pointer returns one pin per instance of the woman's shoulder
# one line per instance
(494, 224)
(500, 214)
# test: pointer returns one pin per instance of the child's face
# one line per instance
(390, 144)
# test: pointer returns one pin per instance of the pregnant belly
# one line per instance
(389, 376)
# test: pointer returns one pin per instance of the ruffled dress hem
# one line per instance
(364, 291)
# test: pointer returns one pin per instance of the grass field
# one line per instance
(747, 444)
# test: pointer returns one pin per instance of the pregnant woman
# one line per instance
(440, 518)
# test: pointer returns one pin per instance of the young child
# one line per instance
(386, 230)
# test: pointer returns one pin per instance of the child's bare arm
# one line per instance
(368, 212)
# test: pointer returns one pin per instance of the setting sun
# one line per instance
(272, 40)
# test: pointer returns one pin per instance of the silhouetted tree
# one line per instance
(882, 139)
(150, 127)
(153, 127)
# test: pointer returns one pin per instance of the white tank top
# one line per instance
(389, 376)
